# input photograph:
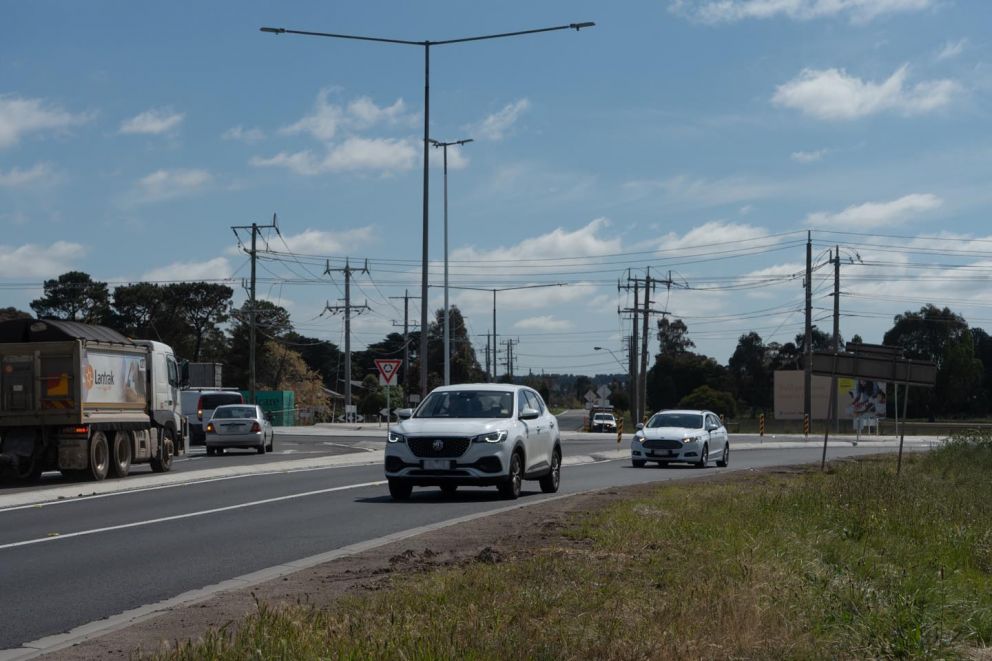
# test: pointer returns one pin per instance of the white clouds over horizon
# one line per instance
(20, 116)
(545, 322)
(496, 126)
(376, 154)
(834, 95)
(168, 184)
(18, 178)
(806, 157)
(730, 11)
(327, 119)
(240, 134)
(218, 268)
(35, 261)
(952, 49)
(710, 233)
(152, 122)
(339, 242)
(874, 215)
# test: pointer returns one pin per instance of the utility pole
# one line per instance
(509, 356)
(347, 308)
(256, 229)
(643, 372)
(488, 373)
(406, 343)
(634, 312)
(808, 342)
(836, 343)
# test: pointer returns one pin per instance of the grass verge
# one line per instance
(852, 563)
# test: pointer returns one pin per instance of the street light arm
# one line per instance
(405, 42)
(570, 26)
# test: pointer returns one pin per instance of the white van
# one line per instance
(198, 406)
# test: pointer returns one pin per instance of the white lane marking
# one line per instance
(188, 515)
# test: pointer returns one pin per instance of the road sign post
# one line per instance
(388, 368)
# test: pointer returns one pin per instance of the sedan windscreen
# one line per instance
(235, 412)
(467, 404)
(688, 420)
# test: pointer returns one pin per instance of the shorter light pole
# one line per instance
(614, 358)
(447, 324)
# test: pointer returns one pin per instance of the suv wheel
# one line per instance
(551, 481)
(510, 487)
(400, 490)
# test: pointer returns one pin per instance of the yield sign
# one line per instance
(388, 367)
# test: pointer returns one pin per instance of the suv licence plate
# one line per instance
(437, 464)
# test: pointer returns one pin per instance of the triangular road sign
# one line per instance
(388, 368)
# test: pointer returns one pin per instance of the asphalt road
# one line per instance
(72, 562)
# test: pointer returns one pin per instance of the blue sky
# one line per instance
(705, 137)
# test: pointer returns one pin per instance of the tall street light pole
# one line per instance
(447, 324)
(427, 114)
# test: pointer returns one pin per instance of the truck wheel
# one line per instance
(99, 456)
(120, 457)
(162, 463)
(28, 471)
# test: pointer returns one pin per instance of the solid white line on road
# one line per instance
(53, 537)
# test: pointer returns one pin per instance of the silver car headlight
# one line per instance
(395, 437)
(690, 439)
(492, 437)
(638, 438)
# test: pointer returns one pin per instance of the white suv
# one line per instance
(475, 434)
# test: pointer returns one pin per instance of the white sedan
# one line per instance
(685, 436)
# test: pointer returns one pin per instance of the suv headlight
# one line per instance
(492, 437)
(394, 437)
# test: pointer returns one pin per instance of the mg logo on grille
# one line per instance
(438, 445)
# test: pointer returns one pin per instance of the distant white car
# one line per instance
(491, 434)
(604, 422)
(239, 426)
(685, 436)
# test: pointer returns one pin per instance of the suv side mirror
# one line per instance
(404, 414)
(184, 374)
(529, 414)
(639, 425)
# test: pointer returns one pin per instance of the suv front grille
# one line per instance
(662, 444)
(449, 447)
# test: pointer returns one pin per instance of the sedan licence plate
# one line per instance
(437, 464)
(661, 453)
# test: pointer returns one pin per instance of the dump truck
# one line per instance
(86, 400)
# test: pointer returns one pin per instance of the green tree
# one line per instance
(321, 356)
(924, 334)
(673, 337)
(138, 309)
(8, 313)
(271, 323)
(74, 296)
(202, 308)
(750, 371)
(704, 397)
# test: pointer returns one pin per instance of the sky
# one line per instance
(703, 139)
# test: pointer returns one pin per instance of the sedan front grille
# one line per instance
(431, 448)
(662, 444)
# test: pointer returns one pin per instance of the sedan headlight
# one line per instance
(492, 437)
(394, 437)
(690, 439)
(638, 438)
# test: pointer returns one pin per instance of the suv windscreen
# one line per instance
(688, 420)
(467, 404)
(208, 402)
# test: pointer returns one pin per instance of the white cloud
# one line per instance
(327, 119)
(152, 122)
(728, 11)
(17, 178)
(952, 49)
(376, 154)
(456, 157)
(167, 184)
(544, 323)
(317, 242)
(809, 156)
(705, 192)
(218, 268)
(34, 261)
(832, 94)
(19, 116)
(498, 124)
(710, 233)
(583, 242)
(241, 134)
(873, 215)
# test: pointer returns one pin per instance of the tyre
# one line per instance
(638, 463)
(449, 489)
(272, 443)
(261, 448)
(724, 460)
(99, 456)
(120, 454)
(550, 482)
(704, 457)
(400, 490)
(211, 451)
(510, 487)
(662, 464)
(162, 462)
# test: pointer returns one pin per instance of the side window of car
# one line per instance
(521, 401)
(534, 402)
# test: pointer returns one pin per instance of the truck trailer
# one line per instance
(85, 400)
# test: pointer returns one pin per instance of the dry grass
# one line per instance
(854, 563)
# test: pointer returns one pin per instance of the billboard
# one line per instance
(855, 397)
(114, 378)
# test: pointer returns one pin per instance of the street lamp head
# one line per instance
(597, 348)
(465, 141)
(579, 26)
(273, 30)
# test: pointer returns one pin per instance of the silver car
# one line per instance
(687, 436)
(475, 434)
(239, 426)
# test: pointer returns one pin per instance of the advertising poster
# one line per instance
(855, 397)
(113, 378)
(861, 397)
